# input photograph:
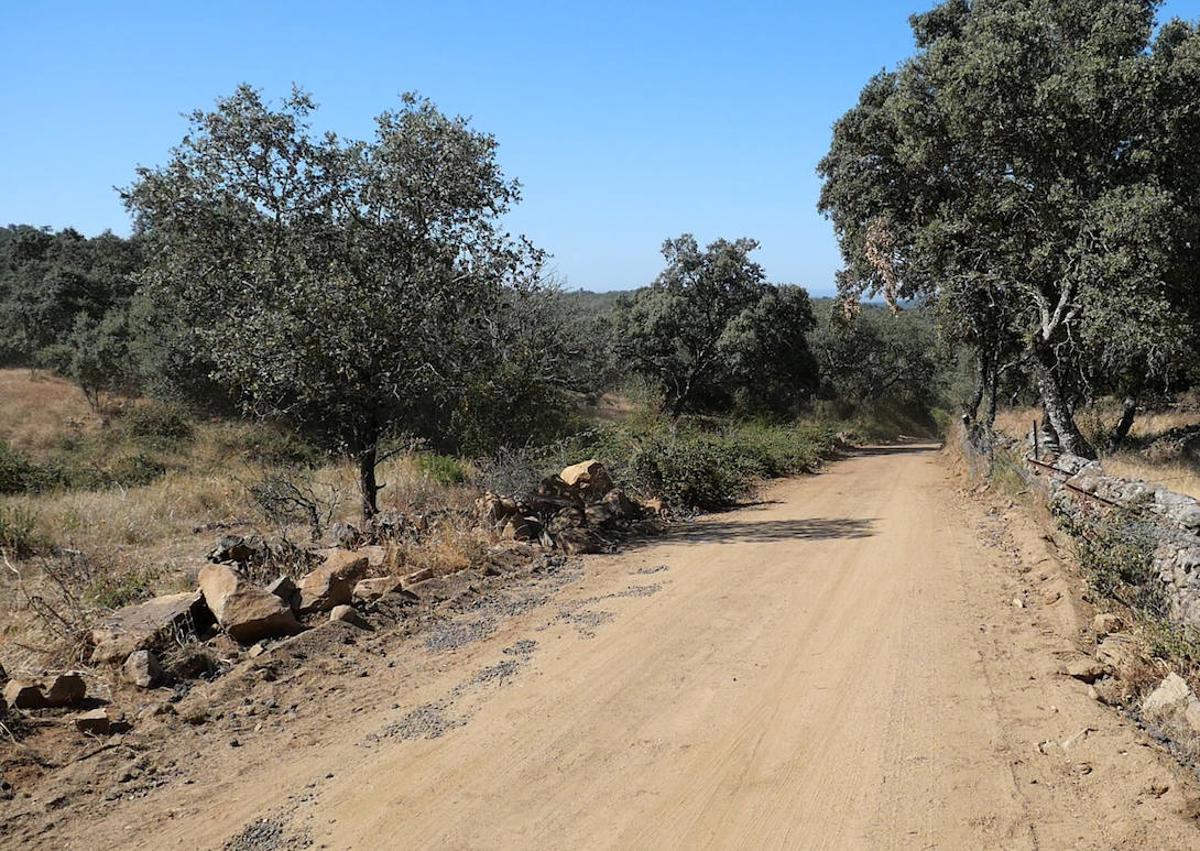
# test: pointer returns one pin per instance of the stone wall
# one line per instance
(1174, 519)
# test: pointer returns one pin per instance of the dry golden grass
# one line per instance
(1178, 475)
(37, 409)
(115, 542)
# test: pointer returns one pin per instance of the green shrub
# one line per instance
(112, 590)
(1117, 550)
(266, 444)
(442, 469)
(127, 471)
(19, 537)
(158, 423)
(17, 473)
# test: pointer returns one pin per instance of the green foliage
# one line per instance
(714, 335)
(443, 469)
(360, 277)
(158, 424)
(1117, 550)
(112, 589)
(19, 536)
(1030, 170)
(18, 474)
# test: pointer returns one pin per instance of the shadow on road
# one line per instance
(762, 531)
(905, 449)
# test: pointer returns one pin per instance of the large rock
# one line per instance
(245, 612)
(370, 590)
(588, 479)
(100, 722)
(145, 625)
(494, 511)
(285, 589)
(332, 584)
(1174, 708)
(142, 669)
(66, 690)
(348, 614)
(24, 694)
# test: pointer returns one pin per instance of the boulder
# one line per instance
(245, 612)
(236, 549)
(416, 576)
(348, 614)
(376, 554)
(142, 669)
(518, 528)
(145, 625)
(100, 722)
(1118, 652)
(285, 589)
(568, 518)
(1173, 707)
(1106, 623)
(66, 690)
(369, 590)
(578, 540)
(1086, 669)
(24, 694)
(588, 479)
(332, 584)
(493, 511)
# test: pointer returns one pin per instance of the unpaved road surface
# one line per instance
(838, 666)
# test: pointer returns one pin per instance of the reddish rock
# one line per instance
(245, 612)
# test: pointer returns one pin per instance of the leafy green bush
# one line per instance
(17, 473)
(443, 469)
(267, 444)
(158, 423)
(1117, 550)
(18, 532)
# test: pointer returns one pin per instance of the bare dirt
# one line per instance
(839, 666)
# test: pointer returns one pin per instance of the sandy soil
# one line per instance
(839, 666)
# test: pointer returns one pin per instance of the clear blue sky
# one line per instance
(627, 123)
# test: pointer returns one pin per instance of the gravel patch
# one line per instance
(430, 721)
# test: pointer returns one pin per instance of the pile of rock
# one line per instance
(571, 511)
(1175, 524)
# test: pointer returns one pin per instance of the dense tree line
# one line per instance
(363, 291)
(1031, 172)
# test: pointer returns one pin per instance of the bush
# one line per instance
(1117, 550)
(158, 423)
(18, 474)
(266, 444)
(19, 537)
(442, 469)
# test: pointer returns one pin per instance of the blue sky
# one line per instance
(626, 123)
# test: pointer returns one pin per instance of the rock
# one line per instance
(66, 690)
(568, 518)
(143, 626)
(369, 590)
(238, 550)
(621, 505)
(1175, 709)
(580, 540)
(418, 576)
(376, 554)
(1086, 669)
(1106, 623)
(348, 614)
(24, 694)
(1118, 652)
(588, 479)
(518, 528)
(331, 584)
(257, 650)
(654, 505)
(245, 612)
(192, 661)
(493, 511)
(285, 589)
(143, 669)
(99, 722)
(345, 535)
(3, 677)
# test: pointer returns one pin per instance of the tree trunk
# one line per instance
(1128, 412)
(367, 485)
(1055, 404)
(972, 408)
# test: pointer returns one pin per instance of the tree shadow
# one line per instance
(766, 531)
(898, 449)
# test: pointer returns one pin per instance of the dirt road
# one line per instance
(840, 666)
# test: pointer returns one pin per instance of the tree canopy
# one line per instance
(1024, 171)
(339, 283)
(713, 334)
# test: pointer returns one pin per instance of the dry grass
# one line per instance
(39, 408)
(1133, 462)
(116, 544)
